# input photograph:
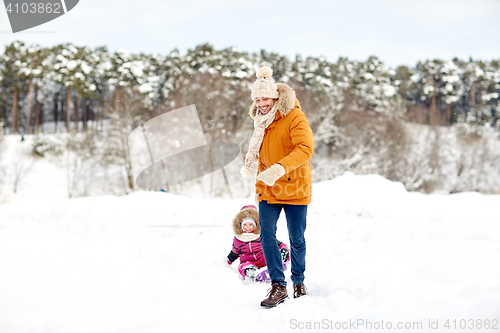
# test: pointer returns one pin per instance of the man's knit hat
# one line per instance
(265, 86)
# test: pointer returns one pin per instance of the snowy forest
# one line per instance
(433, 127)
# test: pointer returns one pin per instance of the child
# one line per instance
(246, 243)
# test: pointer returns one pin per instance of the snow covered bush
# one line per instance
(421, 167)
(131, 112)
(81, 159)
(78, 153)
(423, 158)
(48, 144)
(474, 162)
(20, 166)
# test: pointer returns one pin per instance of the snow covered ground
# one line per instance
(378, 258)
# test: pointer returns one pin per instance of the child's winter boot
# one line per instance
(247, 270)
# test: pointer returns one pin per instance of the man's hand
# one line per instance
(272, 174)
(246, 171)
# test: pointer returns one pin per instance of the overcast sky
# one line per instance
(397, 31)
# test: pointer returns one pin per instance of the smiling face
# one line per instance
(248, 227)
(264, 104)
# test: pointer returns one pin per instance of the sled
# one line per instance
(262, 274)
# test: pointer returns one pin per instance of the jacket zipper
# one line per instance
(251, 251)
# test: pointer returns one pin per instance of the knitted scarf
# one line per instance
(247, 237)
(260, 123)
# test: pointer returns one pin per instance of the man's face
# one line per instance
(264, 104)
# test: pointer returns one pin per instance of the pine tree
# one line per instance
(15, 79)
(124, 72)
(34, 57)
(452, 88)
(73, 68)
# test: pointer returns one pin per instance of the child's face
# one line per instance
(248, 227)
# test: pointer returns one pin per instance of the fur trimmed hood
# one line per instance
(285, 101)
(247, 212)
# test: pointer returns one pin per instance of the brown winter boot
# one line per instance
(299, 290)
(276, 296)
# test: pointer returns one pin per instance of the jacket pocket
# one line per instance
(294, 185)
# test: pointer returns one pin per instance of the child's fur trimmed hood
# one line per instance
(248, 212)
(285, 101)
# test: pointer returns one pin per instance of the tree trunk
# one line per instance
(77, 111)
(448, 114)
(68, 108)
(94, 117)
(37, 115)
(130, 179)
(473, 95)
(85, 115)
(30, 95)
(433, 110)
(41, 115)
(56, 112)
(117, 99)
(128, 168)
(15, 115)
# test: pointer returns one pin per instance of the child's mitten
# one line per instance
(285, 253)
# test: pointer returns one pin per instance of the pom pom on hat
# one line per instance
(264, 72)
(265, 86)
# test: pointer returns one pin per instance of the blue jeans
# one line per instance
(296, 223)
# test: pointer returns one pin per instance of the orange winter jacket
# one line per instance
(288, 141)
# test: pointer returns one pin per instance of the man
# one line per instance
(283, 144)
